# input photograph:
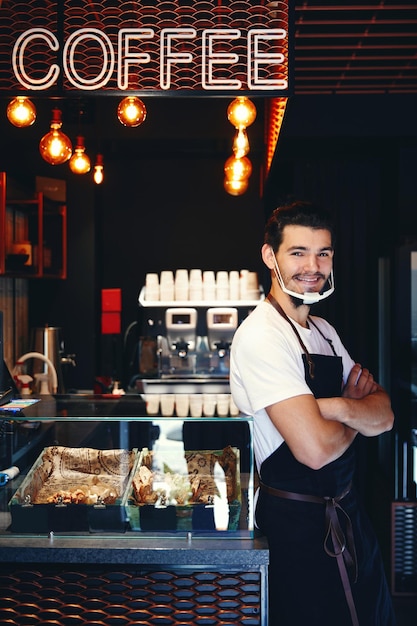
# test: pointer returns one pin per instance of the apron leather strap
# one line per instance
(281, 311)
(335, 543)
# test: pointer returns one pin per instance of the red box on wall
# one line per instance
(111, 300)
(111, 323)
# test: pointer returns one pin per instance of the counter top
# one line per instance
(134, 550)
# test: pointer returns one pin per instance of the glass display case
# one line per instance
(92, 464)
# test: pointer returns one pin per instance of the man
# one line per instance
(309, 400)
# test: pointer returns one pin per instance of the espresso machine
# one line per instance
(184, 344)
(197, 342)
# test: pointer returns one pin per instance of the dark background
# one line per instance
(163, 206)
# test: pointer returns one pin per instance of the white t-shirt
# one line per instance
(266, 367)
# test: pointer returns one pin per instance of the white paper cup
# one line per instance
(222, 293)
(152, 403)
(182, 404)
(152, 293)
(181, 292)
(167, 404)
(152, 280)
(167, 293)
(195, 294)
(252, 281)
(209, 277)
(234, 411)
(223, 404)
(209, 293)
(196, 404)
(234, 285)
(181, 276)
(196, 275)
(167, 277)
(209, 404)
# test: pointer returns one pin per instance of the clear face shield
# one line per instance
(307, 297)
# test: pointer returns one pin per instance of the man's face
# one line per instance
(305, 258)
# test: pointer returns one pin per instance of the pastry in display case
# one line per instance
(73, 489)
(199, 491)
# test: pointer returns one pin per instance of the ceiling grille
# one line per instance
(355, 47)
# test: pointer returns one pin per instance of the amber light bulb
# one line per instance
(241, 112)
(237, 169)
(240, 144)
(55, 147)
(98, 175)
(21, 112)
(131, 111)
(236, 187)
(79, 162)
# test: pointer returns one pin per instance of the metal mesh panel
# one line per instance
(53, 595)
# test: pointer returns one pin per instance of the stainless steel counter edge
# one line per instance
(134, 550)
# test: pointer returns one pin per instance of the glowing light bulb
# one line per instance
(241, 112)
(131, 111)
(21, 112)
(236, 187)
(79, 162)
(241, 144)
(98, 175)
(55, 147)
(237, 169)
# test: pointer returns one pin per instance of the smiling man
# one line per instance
(310, 401)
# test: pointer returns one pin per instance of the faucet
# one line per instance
(42, 357)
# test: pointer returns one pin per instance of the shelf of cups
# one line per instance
(198, 303)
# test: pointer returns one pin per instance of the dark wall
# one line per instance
(356, 156)
(163, 206)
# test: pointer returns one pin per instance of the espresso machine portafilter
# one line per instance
(177, 350)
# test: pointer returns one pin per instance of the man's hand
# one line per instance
(360, 383)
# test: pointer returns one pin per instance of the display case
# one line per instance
(110, 563)
(185, 476)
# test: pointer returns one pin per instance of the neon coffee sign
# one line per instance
(174, 50)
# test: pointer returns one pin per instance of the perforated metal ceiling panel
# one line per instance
(355, 47)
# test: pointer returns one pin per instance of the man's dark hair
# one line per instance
(297, 213)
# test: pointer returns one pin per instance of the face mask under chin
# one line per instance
(306, 298)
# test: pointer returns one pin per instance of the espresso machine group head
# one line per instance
(221, 325)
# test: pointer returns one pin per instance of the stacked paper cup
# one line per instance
(234, 285)
(252, 286)
(209, 285)
(196, 284)
(166, 288)
(222, 285)
(152, 287)
(181, 285)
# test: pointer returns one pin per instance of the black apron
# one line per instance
(309, 536)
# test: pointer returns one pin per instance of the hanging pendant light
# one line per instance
(55, 147)
(98, 175)
(240, 143)
(79, 162)
(236, 187)
(131, 111)
(21, 112)
(241, 112)
(237, 169)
